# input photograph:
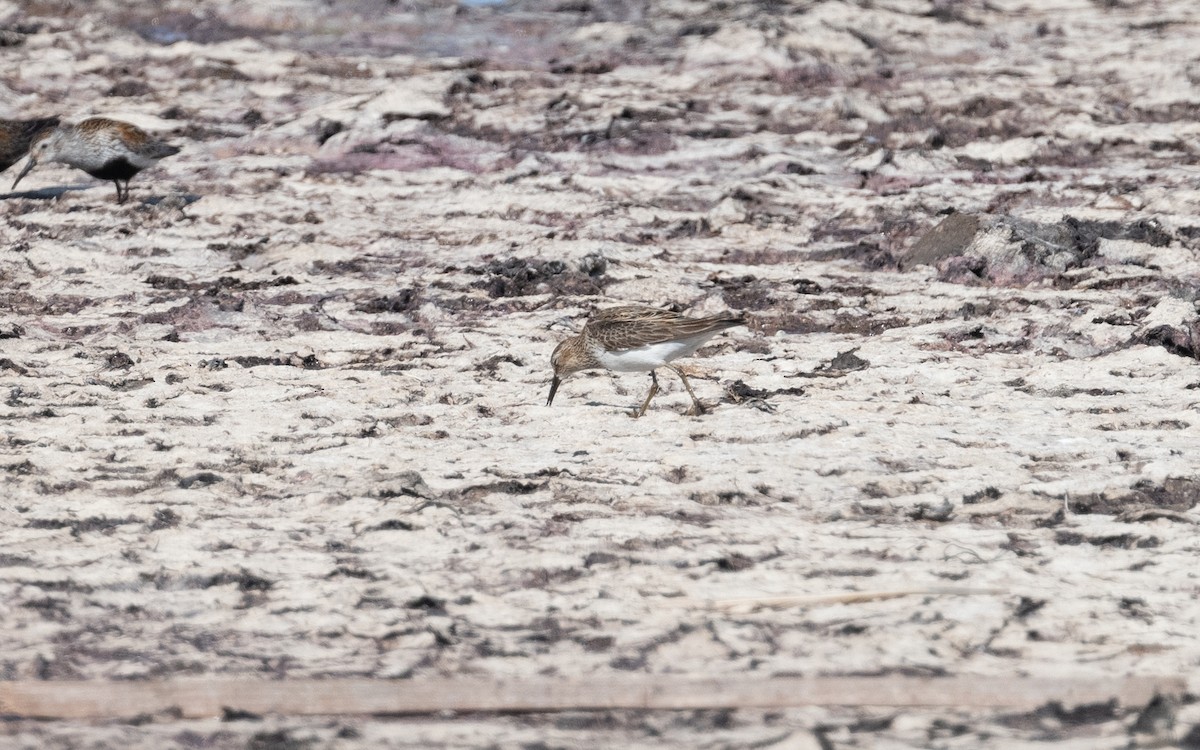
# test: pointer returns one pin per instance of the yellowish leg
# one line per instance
(650, 395)
(696, 409)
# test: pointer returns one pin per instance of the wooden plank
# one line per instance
(206, 697)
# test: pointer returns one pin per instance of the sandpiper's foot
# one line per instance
(649, 396)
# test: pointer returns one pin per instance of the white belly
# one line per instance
(649, 357)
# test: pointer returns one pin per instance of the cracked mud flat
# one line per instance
(283, 413)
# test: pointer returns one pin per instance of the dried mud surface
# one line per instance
(283, 413)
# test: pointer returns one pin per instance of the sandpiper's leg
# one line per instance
(696, 409)
(650, 395)
(120, 195)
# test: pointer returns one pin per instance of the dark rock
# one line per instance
(949, 238)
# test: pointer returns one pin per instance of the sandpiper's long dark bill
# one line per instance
(105, 149)
(636, 339)
(16, 135)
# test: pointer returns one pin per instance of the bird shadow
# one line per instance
(176, 200)
(627, 408)
(45, 194)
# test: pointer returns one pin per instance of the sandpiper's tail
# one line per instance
(726, 320)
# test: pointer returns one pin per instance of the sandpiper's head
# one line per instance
(43, 148)
(569, 357)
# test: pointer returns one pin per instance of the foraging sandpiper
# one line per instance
(105, 149)
(16, 135)
(637, 339)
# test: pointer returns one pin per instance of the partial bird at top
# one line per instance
(16, 135)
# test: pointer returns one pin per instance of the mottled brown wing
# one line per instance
(633, 314)
(131, 136)
(621, 328)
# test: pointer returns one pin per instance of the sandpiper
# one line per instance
(637, 339)
(16, 135)
(105, 149)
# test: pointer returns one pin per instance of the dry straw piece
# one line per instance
(209, 697)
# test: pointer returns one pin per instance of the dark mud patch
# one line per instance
(760, 257)
(867, 254)
(222, 284)
(979, 338)
(504, 487)
(405, 300)
(199, 27)
(745, 292)
(1175, 493)
(118, 361)
(415, 154)
(80, 526)
(739, 392)
(197, 314)
(304, 362)
(1183, 340)
(244, 580)
(200, 479)
(1063, 719)
(1033, 253)
(491, 365)
(240, 250)
(658, 230)
(1086, 235)
(521, 277)
(844, 362)
(568, 124)
(858, 324)
(51, 305)
(1114, 541)
(8, 364)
